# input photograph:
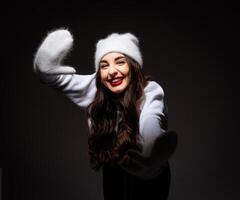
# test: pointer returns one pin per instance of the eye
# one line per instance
(121, 62)
(103, 66)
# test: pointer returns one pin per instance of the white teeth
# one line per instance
(115, 80)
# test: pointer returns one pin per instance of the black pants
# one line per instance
(120, 185)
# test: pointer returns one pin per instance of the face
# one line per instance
(114, 72)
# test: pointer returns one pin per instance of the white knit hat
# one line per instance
(125, 43)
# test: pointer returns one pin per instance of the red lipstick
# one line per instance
(119, 82)
(115, 82)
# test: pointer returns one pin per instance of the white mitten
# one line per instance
(52, 51)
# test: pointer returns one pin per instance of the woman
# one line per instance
(127, 140)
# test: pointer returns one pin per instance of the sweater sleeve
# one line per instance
(81, 89)
(151, 116)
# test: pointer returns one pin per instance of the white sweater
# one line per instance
(81, 89)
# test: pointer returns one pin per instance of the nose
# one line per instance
(112, 70)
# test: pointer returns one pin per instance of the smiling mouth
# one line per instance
(116, 81)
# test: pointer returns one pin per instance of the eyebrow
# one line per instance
(117, 58)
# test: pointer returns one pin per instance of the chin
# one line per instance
(117, 91)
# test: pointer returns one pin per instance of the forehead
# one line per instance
(112, 56)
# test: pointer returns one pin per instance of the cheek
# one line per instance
(127, 73)
(103, 75)
(128, 80)
(125, 70)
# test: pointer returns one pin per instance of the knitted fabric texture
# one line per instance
(125, 43)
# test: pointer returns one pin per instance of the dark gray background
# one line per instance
(187, 48)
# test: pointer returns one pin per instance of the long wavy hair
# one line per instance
(114, 119)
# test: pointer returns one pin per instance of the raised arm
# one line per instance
(48, 66)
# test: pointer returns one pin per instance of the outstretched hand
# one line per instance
(52, 51)
(148, 167)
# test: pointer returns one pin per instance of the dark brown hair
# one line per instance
(114, 119)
